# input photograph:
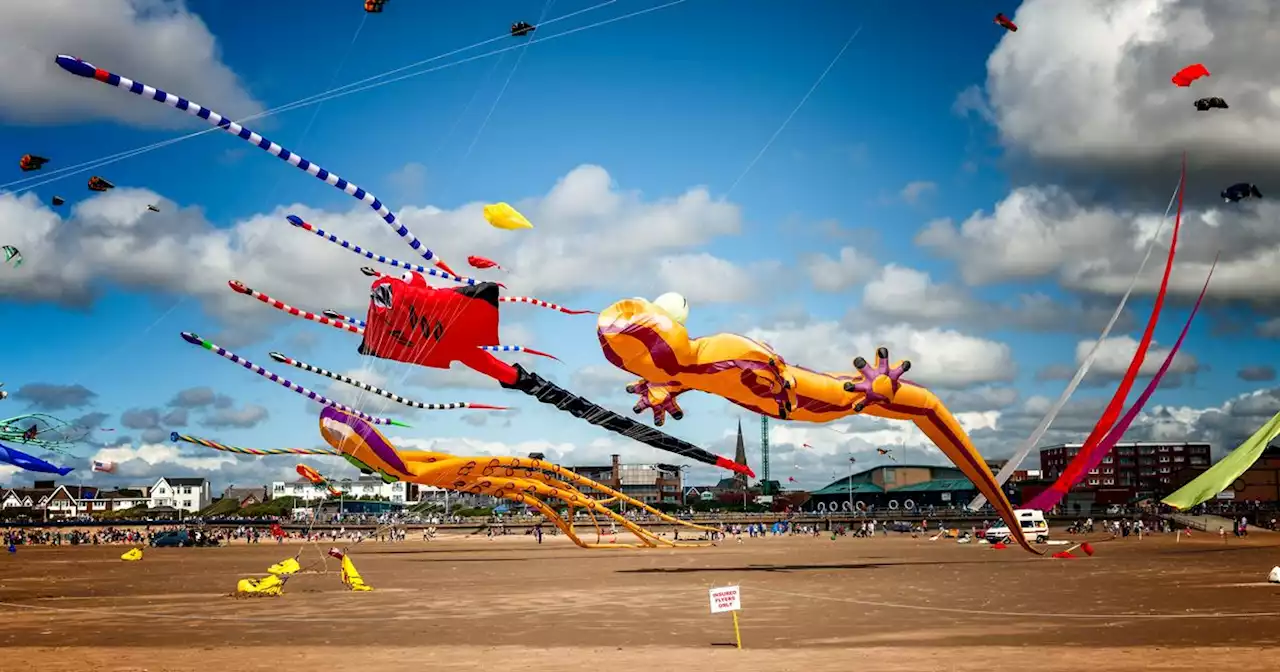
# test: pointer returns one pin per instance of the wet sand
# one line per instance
(810, 604)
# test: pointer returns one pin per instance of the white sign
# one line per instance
(728, 598)
(764, 499)
(946, 496)
(1226, 494)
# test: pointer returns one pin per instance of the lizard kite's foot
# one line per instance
(870, 374)
(659, 398)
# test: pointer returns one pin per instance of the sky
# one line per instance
(974, 199)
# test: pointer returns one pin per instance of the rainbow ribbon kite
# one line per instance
(87, 70)
(183, 438)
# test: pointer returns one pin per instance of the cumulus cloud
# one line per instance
(160, 42)
(1223, 426)
(591, 236)
(1108, 105)
(851, 267)
(1113, 360)
(902, 294)
(940, 357)
(246, 417)
(1258, 373)
(51, 397)
(914, 192)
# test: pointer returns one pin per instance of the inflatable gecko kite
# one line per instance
(649, 339)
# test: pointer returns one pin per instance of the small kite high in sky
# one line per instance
(30, 162)
(1240, 191)
(1189, 74)
(1215, 103)
(1004, 22)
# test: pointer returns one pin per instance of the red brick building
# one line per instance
(1135, 468)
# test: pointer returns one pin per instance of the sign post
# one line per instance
(728, 598)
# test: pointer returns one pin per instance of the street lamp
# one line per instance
(849, 485)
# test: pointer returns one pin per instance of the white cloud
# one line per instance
(589, 237)
(1044, 231)
(914, 192)
(1093, 87)
(703, 278)
(160, 42)
(1116, 353)
(940, 357)
(899, 293)
(410, 181)
(145, 459)
(852, 267)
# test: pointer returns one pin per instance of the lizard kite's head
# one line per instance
(674, 305)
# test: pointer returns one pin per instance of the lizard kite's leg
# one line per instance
(886, 394)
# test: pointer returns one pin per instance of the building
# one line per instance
(247, 496)
(123, 499)
(185, 494)
(649, 483)
(1260, 483)
(1129, 471)
(399, 492)
(904, 487)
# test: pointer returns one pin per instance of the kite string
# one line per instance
(786, 122)
(510, 75)
(1029, 444)
(57, 174)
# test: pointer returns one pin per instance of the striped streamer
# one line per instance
(306, 226)
(374, 273)
(183, 438)
(241, 288)
(314, 396)
(518, 348)
(335, 315)
(81, 68)
(285, 359)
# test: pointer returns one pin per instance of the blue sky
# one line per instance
(664, 102)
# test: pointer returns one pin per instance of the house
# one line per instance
(69, 501)
(399, 492)
(185, 494)
(122, 499)
(247, 496)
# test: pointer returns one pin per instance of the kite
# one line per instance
(650, 340)
(98, 184)
(1240, 191)
(535, 483)
(80, 68)
(521, 28)
(1051, 496)
(30, 162)
(57, 200)
(482, 263)
(104, 467)
(503, 216)
(43, 431)
(374, 6)
(885, 452)
(1075, 470)
(1034, 439)
(1206, 104)
(22, 460)
(153, 208)
(3, 394)
(318, 480)
(1222, 475)
(1004, 22)
(1189, 74)
(410, 321)
(12, 256)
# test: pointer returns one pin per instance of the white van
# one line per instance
(1033, 526)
